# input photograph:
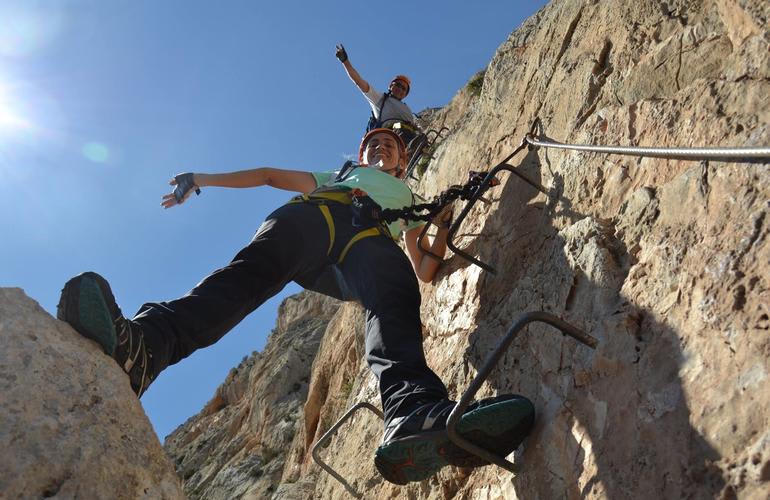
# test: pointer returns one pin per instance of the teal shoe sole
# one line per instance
(413, 458)
(499, 427)
(88, 305)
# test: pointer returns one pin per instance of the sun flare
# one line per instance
(10, 118)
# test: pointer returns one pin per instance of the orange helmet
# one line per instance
(405, 79)
(390, 132)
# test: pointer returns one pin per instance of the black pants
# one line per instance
(292, 245)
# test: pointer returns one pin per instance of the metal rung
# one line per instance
(426, 144)
(489, 364)
(322, 443)
(477, 196)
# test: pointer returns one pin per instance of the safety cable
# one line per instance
(467, 190)
(689, 153)
(479, 182)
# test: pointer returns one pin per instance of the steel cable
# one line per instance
(691, 153)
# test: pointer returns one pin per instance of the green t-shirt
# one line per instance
(386, 190)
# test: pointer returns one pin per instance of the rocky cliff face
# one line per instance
(664, 261)
(70, 425)
(236, 447)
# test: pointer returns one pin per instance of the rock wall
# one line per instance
(236, 446)
(70, 425)
(664, 261)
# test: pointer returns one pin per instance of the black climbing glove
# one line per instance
(341, 54)
(184, 183)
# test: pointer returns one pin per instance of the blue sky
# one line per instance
(101, 102)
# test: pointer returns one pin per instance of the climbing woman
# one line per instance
(326, 239)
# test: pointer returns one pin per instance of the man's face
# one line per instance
(398, 89)
(383, 147)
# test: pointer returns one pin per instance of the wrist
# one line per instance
(199, 180)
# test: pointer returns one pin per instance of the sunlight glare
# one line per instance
(10, 118)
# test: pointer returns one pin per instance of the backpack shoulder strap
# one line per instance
(382, 103)
(376, 121)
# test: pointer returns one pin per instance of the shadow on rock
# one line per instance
(614, 422)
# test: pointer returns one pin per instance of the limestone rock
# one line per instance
(70, 425)
(237, 447)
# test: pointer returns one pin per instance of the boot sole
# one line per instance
(499, 428)
(88, 305)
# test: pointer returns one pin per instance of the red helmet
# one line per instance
(405, 80)
(371, 133)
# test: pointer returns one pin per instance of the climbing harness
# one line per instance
(372, 226)
(465, 399)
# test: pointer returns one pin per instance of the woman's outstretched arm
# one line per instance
(288, 180)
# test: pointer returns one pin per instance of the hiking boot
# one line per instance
(416, 446)
(88, 305)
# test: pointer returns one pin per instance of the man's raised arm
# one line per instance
(350, 70)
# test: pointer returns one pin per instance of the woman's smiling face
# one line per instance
(382, 147)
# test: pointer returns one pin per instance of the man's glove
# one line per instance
(341, 54)
(184, 183)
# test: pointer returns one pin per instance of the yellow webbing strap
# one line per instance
(338, 196)
(298, 199)
(344, 198)
(330, 224)
(372, 231)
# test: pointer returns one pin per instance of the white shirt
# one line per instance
(392, 110)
